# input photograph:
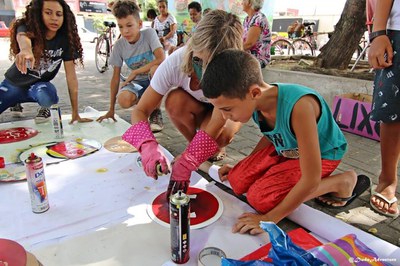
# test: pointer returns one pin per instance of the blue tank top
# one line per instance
(332, 142)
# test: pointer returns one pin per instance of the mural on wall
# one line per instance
(179, 9)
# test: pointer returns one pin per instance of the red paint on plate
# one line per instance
(205, 206)
(16, 134)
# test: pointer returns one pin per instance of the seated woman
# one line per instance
(257, 34)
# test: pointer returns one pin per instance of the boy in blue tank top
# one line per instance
(301, 147)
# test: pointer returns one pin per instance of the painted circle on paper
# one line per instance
(205, 209)
(12, 253)
(52, 152)
(16, 134)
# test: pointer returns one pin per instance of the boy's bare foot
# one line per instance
(351, 186)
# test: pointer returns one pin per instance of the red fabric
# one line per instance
(299, 236)
(267, 177)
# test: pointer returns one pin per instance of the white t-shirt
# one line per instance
(169, 76)
(163, 28)
(138, 54)
(394, 18)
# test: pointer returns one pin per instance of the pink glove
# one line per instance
(141, 137)
(199, 150)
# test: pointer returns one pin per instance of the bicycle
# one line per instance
(307, 44)
(104, 46)
(281, 46)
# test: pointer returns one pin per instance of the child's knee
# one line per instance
(239, 181)
(44, 93)
(238, 187)
(127, 99)
(262, 202)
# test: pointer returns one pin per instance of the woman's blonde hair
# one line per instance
(216, 31)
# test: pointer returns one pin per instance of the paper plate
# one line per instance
(12, 173)
(72, 149)
(54, 152)
(117, 144)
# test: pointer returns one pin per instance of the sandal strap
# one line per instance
(334, 198)
(389, 202)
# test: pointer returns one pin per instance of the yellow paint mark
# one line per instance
(373, 230)
(102, 170)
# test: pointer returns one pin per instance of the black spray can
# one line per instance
(179, 212)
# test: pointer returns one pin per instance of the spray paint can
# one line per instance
(36, 183)
(158, 166)
(179, 219)
(56, 121)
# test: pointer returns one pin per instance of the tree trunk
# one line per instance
(340, 48)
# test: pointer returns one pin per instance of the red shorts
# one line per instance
(267, 177)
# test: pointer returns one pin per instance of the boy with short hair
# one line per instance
(301, 147)
(194, 9)
(141, 51)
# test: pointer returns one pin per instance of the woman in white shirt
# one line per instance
(178, 79)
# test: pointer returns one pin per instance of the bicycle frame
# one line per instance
(104, 46)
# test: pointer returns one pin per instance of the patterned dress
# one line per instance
(261, 49)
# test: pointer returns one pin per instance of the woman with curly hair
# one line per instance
(45, 36)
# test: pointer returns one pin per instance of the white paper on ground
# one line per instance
(97, 212)
(329, 228)
(140, 241)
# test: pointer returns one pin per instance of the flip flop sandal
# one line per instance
(363, 184)
(328, 197)
(386, 200)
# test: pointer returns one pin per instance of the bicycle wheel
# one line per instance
(102, 54)
(282, 47)
(302, 47)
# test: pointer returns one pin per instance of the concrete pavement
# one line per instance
(363, 155)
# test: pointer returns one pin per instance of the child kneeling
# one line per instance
(301, 147)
